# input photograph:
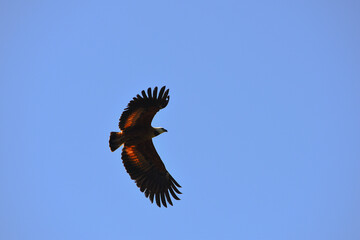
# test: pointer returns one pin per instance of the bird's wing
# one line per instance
(142, 109)
(144, 165)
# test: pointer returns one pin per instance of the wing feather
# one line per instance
(151, 197)
(142, 108)
(155, 92)
(168, 198)
(144, 165)
(157, 198)
(161, 92)
(163, 200)
(144, 94)
(149, 93)
(147, 192)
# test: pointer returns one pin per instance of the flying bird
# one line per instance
(139, 155)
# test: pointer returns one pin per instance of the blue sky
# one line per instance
(263, 119)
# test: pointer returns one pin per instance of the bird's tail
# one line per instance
(116, 140)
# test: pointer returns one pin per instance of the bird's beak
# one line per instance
(165, 130)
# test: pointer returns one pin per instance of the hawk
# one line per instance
(139, 155)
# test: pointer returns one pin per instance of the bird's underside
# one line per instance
(139, 155)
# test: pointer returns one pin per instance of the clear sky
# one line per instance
(263, 120)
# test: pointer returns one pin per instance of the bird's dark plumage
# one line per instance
(139, 155)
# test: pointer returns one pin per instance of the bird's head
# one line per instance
(159, 130)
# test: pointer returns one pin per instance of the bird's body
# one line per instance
(133, 136)
(139, 155)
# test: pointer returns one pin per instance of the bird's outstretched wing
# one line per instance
(142, 109)
(144, 165)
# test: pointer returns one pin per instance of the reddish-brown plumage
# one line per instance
(139, 155)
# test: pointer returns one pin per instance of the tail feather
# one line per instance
(116, 140)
